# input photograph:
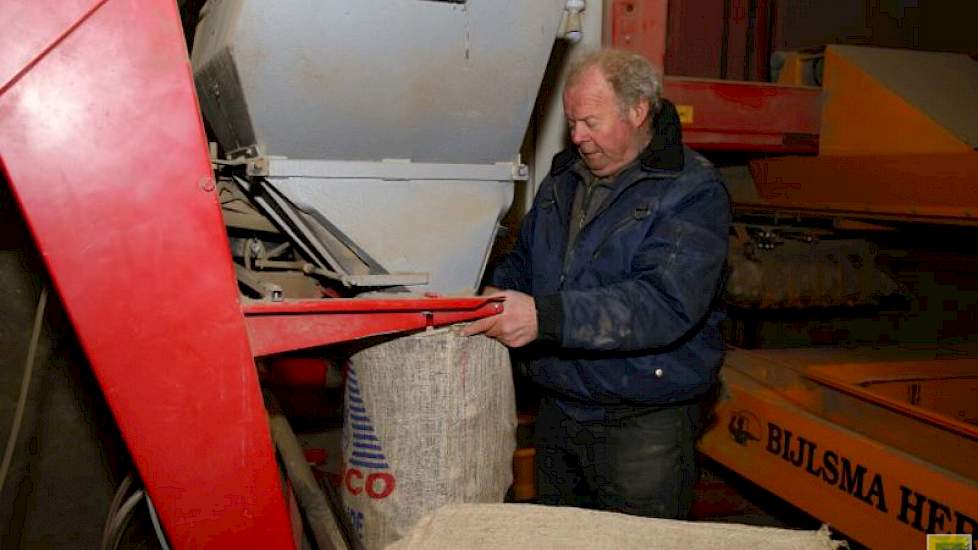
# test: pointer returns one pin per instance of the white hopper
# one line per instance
(326, 91)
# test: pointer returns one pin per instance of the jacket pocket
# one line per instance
(638, 215)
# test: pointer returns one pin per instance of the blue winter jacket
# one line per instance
(629, 320)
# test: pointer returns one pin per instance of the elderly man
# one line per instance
(614, 280)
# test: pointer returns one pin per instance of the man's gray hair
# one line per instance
(631, 76)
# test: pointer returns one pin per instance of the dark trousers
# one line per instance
(642, 464)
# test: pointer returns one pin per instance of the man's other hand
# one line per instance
(515, 327)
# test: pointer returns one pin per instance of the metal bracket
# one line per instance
(375, 280)
(389, 279)
(255, 283)
(257, 166)
(389, 169)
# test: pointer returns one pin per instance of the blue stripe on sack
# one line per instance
(353, 391)
(360, 417)
(359, 445)
(375, 456)
(363, 427)
(356, 399)
(365, 437)
(365, 464)
(357, 409)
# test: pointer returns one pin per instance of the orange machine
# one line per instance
(897, 141)
(877, 441)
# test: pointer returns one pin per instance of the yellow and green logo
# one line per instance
(948, 542)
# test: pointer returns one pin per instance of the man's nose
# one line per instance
(577, 135)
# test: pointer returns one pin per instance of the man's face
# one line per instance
(606, 140)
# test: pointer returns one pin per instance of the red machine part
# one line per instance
(287, 326)
(728, 39)
(102, 144)
(104, 149)
(722, 115)
(311, 372)
(640, 26)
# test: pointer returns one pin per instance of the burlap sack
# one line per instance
(430, 420)
(528, 526)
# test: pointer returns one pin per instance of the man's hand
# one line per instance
(516, 326)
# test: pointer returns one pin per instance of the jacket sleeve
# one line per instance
(675, 277)
(514, 272)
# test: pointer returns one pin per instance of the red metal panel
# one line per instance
(719, 39)
(747, 116)
(377, 306)
(748, 40)
(104, 148)
(297, 371)
(695, 37)
(733, 64)
(640, 26)
(32, 28)
(726, 115)
(761, 65)
(287, 326)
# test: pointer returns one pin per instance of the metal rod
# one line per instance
(325, 528)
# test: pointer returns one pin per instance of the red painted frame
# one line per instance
(727, 115)
(747, 116)
(102, 144)
(640, 26)
(286, 326)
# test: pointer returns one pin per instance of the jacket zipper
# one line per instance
(560, 217)
(651, 176)
(656, 175)
(614, 230)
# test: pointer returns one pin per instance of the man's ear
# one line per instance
(638, 115)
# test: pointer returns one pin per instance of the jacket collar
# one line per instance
(665, 151)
